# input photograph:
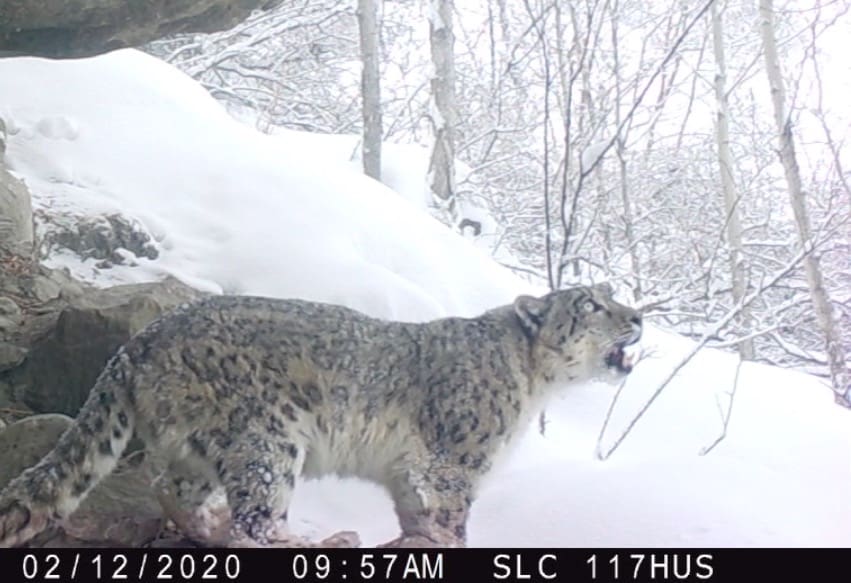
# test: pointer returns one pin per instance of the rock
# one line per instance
(6, 325)
(16, 213)
(20, 274)
(79, 28)
(45, 289)
(33, 284)
(50, 284)
(102, 237)
(121, 511)
(11, 355)
(62, 365)
(9, 308)
(10, 317)
(16, 216)
(24, 443)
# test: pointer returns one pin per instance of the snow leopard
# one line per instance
(238, 398)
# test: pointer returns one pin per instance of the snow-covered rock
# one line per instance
(75, 28)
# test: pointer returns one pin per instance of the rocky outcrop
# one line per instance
(56, 334)
(64, 356)
(107, 238)
(16, 218)
(79, 28)
(16, 213)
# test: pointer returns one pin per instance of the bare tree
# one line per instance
(443, 110)
(591, 118)
(839, 374)
(285, 65)
(728, 183)
(620, 150)
(369, 28)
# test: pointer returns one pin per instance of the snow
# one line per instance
(403, 166)
(230, 208)
(290, 215)
(591, 153)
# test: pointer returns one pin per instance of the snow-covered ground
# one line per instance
(232, 209)
(235, 210)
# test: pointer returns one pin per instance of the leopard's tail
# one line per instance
(88, 451)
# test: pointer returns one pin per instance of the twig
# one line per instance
(599, 450)
(725, 416)
(568, 225)
(707, 336)
(653, 397)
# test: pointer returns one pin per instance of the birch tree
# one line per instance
(839, 375)
(369, 28)
(728, 184)
(443, 114)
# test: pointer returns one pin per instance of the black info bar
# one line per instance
(455, 565)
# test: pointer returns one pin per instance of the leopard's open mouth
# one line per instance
(617, 357)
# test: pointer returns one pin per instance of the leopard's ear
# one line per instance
(530, 311)
(604, 288)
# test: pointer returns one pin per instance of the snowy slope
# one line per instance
(232, 209)
(404, 168)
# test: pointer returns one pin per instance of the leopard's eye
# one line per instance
(590, 306)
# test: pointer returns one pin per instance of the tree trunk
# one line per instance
(725, 163)
(443, 107)
(369, 28)
(620, 150)
(839, 374)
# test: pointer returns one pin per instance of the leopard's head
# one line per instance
(578, 333)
